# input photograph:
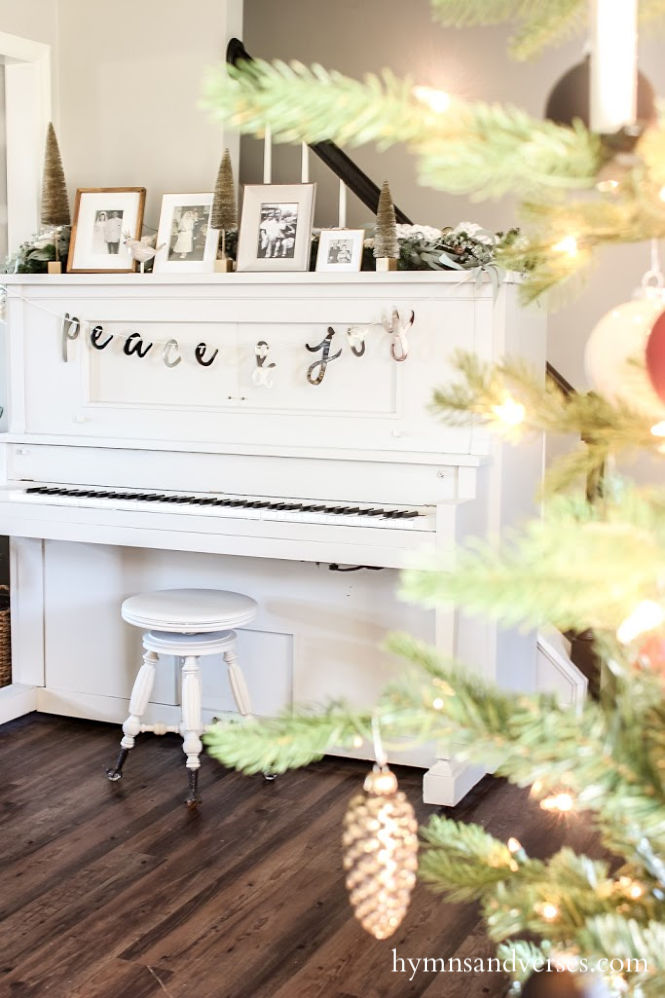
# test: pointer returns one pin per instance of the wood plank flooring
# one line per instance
(118, 891)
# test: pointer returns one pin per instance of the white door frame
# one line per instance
(28, 112)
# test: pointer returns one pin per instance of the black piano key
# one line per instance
(373, 512)
(408, 514)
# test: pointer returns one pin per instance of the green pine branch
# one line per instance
(539, 24)
(578, 567)
(477, 148)
(608, 429)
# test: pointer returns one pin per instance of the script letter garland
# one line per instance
(135, 345)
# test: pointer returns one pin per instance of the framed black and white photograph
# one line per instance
(340, 249)
(185, 240)
(104, 218)
(276, 227)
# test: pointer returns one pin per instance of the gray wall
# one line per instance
(358, 36)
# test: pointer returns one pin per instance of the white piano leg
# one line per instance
(448, 781)
(192, 724)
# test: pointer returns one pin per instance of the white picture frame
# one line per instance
(340, 250)
(276, 227)
(103, 219)
(185, 241)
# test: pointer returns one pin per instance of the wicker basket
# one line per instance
(5, 638)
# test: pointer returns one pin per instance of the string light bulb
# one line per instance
(548, 911)
(436, 100)
(510, 412)
(661, 194)
(646, 616)
(567, 245)
(658, 429)
(562, 802)
(631, 888)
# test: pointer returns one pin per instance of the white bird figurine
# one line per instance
(143, 249)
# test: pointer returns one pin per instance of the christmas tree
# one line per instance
(385, 239)
(224, 215)
(55, 204)
(583, 565)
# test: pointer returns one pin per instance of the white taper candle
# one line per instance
(613, 64)
(304, 170)
(342, 205)
(267, 156)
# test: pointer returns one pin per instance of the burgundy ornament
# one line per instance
(655, 356)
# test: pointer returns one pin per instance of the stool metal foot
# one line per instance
(193, 799)
(115, 773)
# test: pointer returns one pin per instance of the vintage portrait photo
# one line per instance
(107, 232)
(189, 232)
(277, 231)
(340, 251)
(276, 227)
(185, 241)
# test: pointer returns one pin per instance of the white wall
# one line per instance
(33, 19)
(357, 36)
(130, 82)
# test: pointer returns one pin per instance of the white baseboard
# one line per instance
(16, 700)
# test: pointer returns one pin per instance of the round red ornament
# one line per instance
(655, 356)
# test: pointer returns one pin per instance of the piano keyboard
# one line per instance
(234, 506)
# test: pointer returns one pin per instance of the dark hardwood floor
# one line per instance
(118, 891)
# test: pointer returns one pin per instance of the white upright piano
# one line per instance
(307, 484)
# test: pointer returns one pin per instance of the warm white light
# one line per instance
(357, 741)
(514, 845)
(661, 194)
(644, 617)
(607, 186)
(436, 100)
(437, 703)
(558, 802)
(567, 245)
(658, 429)
(632, 888)
(613, 64)
(549, 911)
(509, 412)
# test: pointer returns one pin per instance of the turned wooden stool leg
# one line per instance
(237, 682)
(192, 724)
(137, 704)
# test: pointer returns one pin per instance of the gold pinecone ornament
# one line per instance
(380, 853)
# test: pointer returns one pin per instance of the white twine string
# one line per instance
(654, 276)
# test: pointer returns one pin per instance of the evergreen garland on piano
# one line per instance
(582, 565)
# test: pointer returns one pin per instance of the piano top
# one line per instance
(426, 278)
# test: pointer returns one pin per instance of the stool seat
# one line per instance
(189, 611)
(170, 643)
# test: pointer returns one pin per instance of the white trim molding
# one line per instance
(28, 112)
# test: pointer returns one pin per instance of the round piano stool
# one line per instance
(186, 623)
